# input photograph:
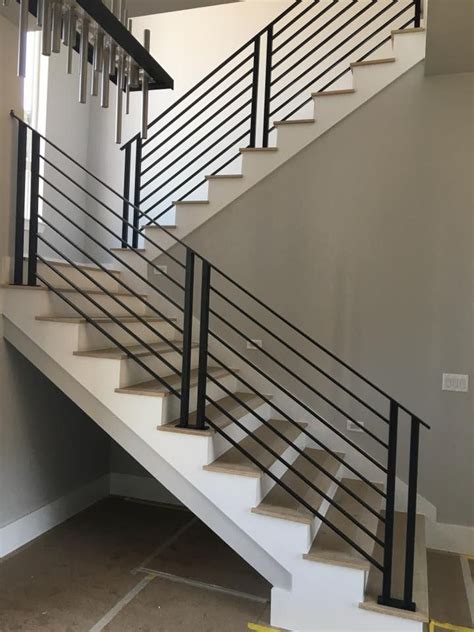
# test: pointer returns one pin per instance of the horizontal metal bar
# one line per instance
(100, 13)
(190, 149)
(298, 401)
(195, 158)
(300, 379)
(309, 7)
(284, 415)
(298, 354)
(101, 329)
(108, 208)
(119, 281)
(189, 118)
(292, 493)
(193, 132)
(299, 450)
(111, 232)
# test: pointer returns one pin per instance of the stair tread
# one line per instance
(127, 249)
(139, 350)
(308, 121)
(228, 403)
(223, 176)
(413, 29)
(235, 462)
(154, 388)
(331, 93)
(82, 266)
(420, 580)
(101, 319)
(373, 62)
(329, 547)
(190, 202)
(249, 149)
(281, 504)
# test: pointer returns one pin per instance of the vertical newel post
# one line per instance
(268, 87)
(411, 514)
(203, 344)
(418, 13)
(136, 196)
(126, 194)
(34, 193)
(187, 339)
(20, 205)
(254, 105)
(385, 597)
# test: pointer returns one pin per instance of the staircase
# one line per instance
(251, 438)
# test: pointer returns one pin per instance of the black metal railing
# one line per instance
(306, 49)
(228, 316)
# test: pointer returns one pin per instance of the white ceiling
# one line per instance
(148, 7)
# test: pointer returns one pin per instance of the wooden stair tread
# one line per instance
(127, 249)
(281, 504)
(420, 581)
(413, 29)
(328, 547)
(249, 149)
(154, 388)
(333, 93)
(101, 319)
(373, 62)
(295, 122)
(138, 350)
(228, 403)
(235, 462)
(82, 266)
(224, 176)
(190, 202)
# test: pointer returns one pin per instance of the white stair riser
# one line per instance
(60, 307)
(133, 373)
(220, 444)
(92, 338)
(77, 277)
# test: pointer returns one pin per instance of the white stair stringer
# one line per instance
(307, 596)
(408, 49)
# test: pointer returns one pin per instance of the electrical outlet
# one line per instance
(255, 344)
(160, 270)
(455, 382)
(352, 427)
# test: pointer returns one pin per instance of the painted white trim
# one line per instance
(450, 537)
(140, 488)
(29, 527)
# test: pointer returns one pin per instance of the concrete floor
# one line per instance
(120, 565)
(127, 566)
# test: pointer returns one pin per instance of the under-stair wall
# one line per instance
(354, 241)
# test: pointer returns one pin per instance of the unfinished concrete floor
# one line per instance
(125, 566)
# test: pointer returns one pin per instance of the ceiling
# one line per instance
(148, 7)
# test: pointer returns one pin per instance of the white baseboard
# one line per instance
(450, 537)
(140, 488)
(23, 530)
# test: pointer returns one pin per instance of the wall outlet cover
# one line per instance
(455, 382)
(255, 344)
(160, 270)
(352, 427)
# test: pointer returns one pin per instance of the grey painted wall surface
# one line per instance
(365, 240)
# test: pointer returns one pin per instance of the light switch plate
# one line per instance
(455, 382)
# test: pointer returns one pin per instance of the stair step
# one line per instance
(413, 29)
(373, 62)
(328, 547)
(114, 353)
(278, 503)
(250, 149)
(83, 266)
(235, 462)
(224, 176)
(333, 93)
(154, 388)
(71, 290)
(228, 403)
(102, 319)
(295, 122)
(127, 249)
(189, 202)
(420, 581)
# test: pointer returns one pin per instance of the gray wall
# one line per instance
(365, 240)
(48, 447)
